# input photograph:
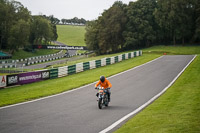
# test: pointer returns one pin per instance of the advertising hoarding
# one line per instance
(30, 77)
(59, 47)
(12, 80)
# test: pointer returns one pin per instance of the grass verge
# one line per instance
(173, 50)
(44, 88)
(175, 111)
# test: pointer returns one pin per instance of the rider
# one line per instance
(103, 82)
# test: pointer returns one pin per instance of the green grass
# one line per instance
(176, 111)
(71, 35)
(173, 50)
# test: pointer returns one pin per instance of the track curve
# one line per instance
(76, 111)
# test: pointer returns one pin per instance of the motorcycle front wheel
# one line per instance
(100, 104)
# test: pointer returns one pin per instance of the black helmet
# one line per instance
(102, 78)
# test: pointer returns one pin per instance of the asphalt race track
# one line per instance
(77, 111)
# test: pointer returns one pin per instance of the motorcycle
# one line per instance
(103, 97)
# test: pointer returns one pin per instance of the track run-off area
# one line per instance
(76, 111)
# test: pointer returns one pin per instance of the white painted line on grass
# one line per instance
(76, 88)
(147, 103)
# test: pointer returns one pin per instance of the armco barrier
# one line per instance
(31, 77)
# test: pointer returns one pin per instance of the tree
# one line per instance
(13, 16)
(63, 21)
(176, 17)
(91, 34)
(110, 28)
(41, 31)
(141, 26)
(19, 35)
(144, 23)
(3, 23)
(197, 23)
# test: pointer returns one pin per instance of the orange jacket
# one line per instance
(105, 84)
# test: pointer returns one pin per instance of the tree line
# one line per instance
(74, 20)
(19, 29)
(144, 23)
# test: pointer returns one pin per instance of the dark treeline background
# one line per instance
(144, 23)
(18, 29)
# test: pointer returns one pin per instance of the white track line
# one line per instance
(147, 103)
(76, 88)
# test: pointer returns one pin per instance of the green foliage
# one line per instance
(176, 18)
(197, 31)
(144, 23)
(140, 28)
(74, 20)
(19, 29)
(19, 35)
(91, 36)
(105, 34)
(14, 21)
(41, 30)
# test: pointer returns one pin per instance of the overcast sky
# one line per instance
(87, 9)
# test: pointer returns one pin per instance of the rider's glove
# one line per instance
(95, 88)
